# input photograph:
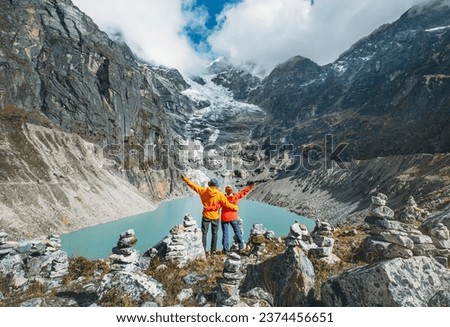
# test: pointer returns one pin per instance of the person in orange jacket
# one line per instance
(230, 217)
(212, 199)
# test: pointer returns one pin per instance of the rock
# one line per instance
(440, 299)
(227, 294)
(440, 232)
(434, 220)
(394, 238)
(259, 294)
(381, 212)
(378, 201)
(184, 244)
(289, 277)
(412, 212)
(421, 239)
(193, 279)
(392, 283)
(424, 249)
(3, 237)
(185, 294)
(383, 224)
(135, 285)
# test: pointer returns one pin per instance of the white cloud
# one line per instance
(268, 32)
(265, 32)
(153, 29)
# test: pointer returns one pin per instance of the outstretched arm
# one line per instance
(244, 192)
(191, 184)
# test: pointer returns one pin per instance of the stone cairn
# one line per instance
(299, 236)
(125, 257)
(228, 286)
(126, 273)
(258, 238)
(322, 237)
(412, 212)
(441, 240)
(319, 244)
(184, 244)
(32, 260)
(388, 238)
(5, 247)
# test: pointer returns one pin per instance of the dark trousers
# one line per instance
(214, 228)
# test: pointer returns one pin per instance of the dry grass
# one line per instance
(17, 114)
(347, 248)
(171, 275)
(82, 267)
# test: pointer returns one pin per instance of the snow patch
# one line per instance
(340, 67)
(439, 28)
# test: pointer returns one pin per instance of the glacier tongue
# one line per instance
(216, 106)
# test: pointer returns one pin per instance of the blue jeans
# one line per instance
(237, 231)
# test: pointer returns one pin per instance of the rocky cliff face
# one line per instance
(56, 64)
(387, 98)
(387, 95)
(52, 181)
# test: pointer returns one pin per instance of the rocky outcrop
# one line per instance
(33, 262)
(183, 245)
(126, 278)
(387, 95)
(399, 282)
(59, 71)
(342, 196)
(54, 182)
(288, 277)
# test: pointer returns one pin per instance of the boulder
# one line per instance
(135, 285)
(288, 277)
(393, 283)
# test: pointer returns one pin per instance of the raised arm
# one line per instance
(244, 192)
(192, 185)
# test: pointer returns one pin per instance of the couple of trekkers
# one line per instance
(213, 199)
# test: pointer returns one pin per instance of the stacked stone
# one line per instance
(126, 275)
(412, 212)
(258, 238)
(299, 236)
(125, 256)
(389, 238)
(228, 286)
(28, 261)
(441, 240)
(5, 247)
(59, 260)
(53, 243)
(184, 244)
(322, 238)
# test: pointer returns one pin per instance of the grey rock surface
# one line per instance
(398, 282)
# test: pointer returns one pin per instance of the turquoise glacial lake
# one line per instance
(96, 242)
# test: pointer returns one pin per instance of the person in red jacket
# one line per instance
(212, 199)
(230, 217)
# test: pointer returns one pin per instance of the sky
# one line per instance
(187, 34)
